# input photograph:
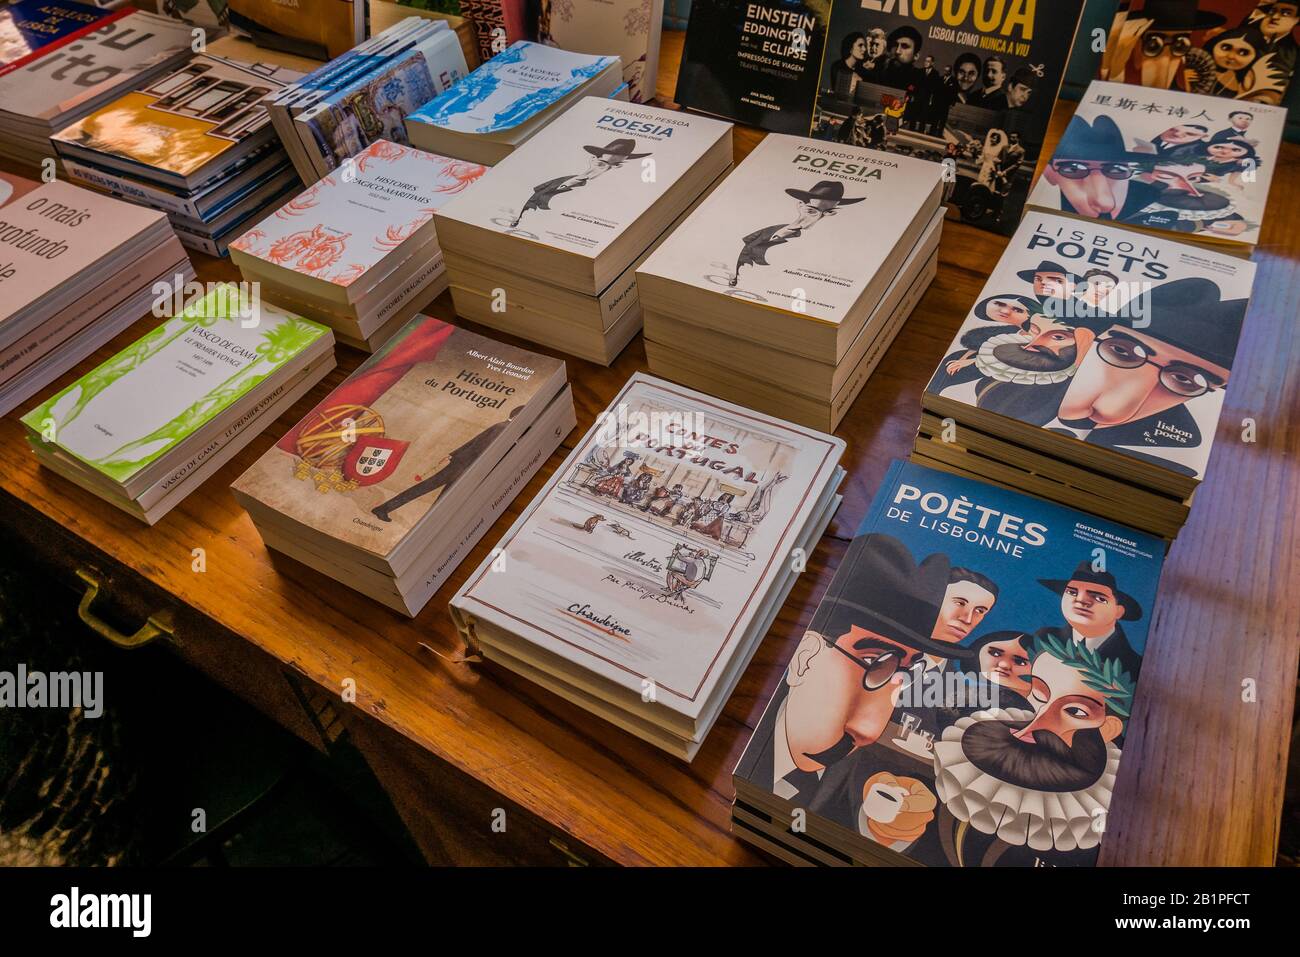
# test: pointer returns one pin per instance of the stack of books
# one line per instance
(641, 579)
(60, 60)
(787, 285)
(1167, 163)
(195, 143)
(76, 269)
(357, 251)
(148, 426)
(1092, 371)
(963, 693)
(364, 95)
(573, 211)
(387, 484)
(508, 99)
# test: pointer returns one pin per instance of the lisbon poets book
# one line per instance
(964, 691)
(640, 580)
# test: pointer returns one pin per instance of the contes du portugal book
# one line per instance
(640, 580)
(393, 477)
(971, 85)
(964, 691)
(1104, 349)
(1166, 162)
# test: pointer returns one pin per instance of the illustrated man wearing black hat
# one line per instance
(1050, 280)
(839, 686)
(1131, 388)
(1166, 41)
(1097, 174)
(1094, 607)
(603, 159)
(813, 206)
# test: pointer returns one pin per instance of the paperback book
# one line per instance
(640, 579)
(1103, 346)
(1165, 161)
(629, 29)
(964, 691)
(971, 86)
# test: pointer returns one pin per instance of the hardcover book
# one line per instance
(339, 230)
(130, 411)
(1091, 335)
(181, 124)
(963, 693)
(423, 420)
(1165, 161)
(510, 89)
(652, 549)
(1240, 49)
(972, 86)
(754, 61)
(629, 29)
(801, 227)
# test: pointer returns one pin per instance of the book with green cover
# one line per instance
(131, 411)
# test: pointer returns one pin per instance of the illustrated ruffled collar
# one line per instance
(995, 368)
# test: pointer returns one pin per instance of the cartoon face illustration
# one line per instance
(1279, 20)
(1129, 375)
(968, 598)
(841, 693)
(1234, 52)
(1095, 189)
(1006, 662)
(1098, 286)
(1091, 609)
(1241, 120)
(1065, 704)
(1042, 346)
(1051, 285)
(1010, 311)
(1179, 177)
(1180, 135)
(1227, 151)
(1163, 54)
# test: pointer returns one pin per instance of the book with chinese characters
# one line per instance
(126, 425)
(507, 99)
(963, 693)
(376, 485)
(1099, 357)
(1166, 162)
(640, 580)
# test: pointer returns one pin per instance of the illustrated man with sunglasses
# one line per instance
(1097, 174)
(1131, 389)
(839, 689)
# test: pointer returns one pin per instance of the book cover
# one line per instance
(378, 453)
(1117, 338)
(183, 120)
(509, 89)
(129, 411)
(52, 233)
(1161, 159)
(646, 556)
(964, 689)
(93, 65)
(628, 29)
(588, 175)
(800, 225)
(30, 27)
(318, 29)
(969, 85)
(339, 228)
(497, 23)
(754, 62)
(1239, 49)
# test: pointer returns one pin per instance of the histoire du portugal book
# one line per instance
(1104, 346)
(963, 693)
(970, 84)
(382, 464)
(1166, 162)
(639, 580)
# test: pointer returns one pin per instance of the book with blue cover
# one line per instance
(508, 99)
(30, 27)
(963, 692)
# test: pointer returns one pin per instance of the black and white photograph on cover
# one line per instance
(600, 160)
(976, 95)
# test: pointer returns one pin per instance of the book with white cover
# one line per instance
(339, 237)
(1166, 161)
(646, 558)
(809, 231)
(1100, 343)
(602, 170)
(629, 28)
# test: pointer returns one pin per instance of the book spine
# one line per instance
(131, 190)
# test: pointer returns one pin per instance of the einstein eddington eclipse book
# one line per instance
(963, 693)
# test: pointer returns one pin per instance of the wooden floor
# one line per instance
(1204, 764)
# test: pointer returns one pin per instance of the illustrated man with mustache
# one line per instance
(1184, 203)
(814, 205)
(1131, 387)
(603, 159)
(840, 685)
(1036, 779)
